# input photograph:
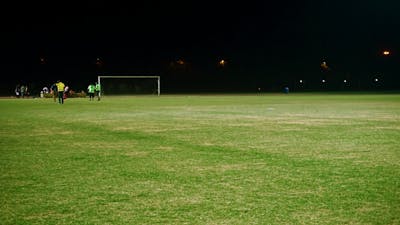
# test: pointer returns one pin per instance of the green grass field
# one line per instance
(201, 159)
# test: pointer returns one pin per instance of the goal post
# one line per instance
(102, 77)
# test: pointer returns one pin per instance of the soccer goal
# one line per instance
(129, 85)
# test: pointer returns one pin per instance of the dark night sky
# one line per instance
(266, 43)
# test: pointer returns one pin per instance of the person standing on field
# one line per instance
(60, 88)
(66, 92)
(18, 90)
(90, 90)
(97, 90)
(54, 91)
(23, 91)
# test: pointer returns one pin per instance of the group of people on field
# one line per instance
(21, 91)
(60, 91)
(94, 90)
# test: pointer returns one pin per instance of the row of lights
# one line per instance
(344, 81)
(222, 62)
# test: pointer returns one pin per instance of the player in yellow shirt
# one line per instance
(60, 88)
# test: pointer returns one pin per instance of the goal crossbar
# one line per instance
(140, 77)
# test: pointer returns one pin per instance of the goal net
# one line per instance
(129, 85)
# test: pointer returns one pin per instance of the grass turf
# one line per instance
(197, 159)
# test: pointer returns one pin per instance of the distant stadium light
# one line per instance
(323, 81)
(344, 81)
(386, 52)
(324, 66)
(301, 81)
(376, 80)
(180, 62)
(99, 62)
(222, 62)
